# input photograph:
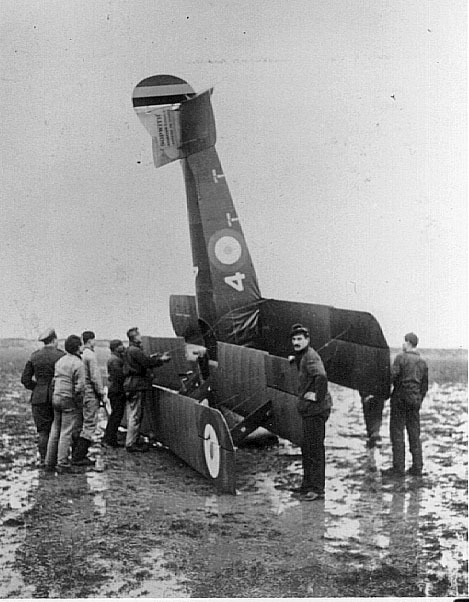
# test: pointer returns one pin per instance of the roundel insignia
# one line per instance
(226, 250)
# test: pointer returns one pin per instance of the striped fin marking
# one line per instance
(161, 90)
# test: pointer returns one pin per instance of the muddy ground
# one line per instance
(149, 526)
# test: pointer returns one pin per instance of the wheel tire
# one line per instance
(212, 453)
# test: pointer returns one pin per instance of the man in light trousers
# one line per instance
(67, 400)
(137, 372)
(94, 394)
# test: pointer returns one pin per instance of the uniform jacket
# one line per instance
(137, 366)
(115, 374)
(38, 373)
(69, 382)
(93, 380)
(409, 377)
(312, 378)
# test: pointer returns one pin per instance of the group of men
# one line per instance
(67, 391)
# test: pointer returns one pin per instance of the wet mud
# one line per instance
(149, 526)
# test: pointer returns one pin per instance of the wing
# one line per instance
(351, 343)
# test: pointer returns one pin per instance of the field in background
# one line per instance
(444, 365)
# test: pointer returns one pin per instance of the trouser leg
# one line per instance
(90, 417)
(53, 442)
(77, 428)
(413, 432)
(69, 418)
(134, 417)
(376, 417)
(396, 428)
(366, 407)
(307, 452)
(115, 419)
(42, 440)
(43, 416)
(314, 453)
(373, 416)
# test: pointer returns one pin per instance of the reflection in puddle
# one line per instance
(98, 483)
(418, 527)
(280, 501)
(16, 499)
(154, 581)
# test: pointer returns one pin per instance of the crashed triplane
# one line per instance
(203, 405)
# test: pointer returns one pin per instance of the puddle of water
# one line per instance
(279, 500)
(11, 582)
(98, 484)
(15, 500)
(156, 582)
(420, 527)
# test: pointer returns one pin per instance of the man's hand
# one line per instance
(165, 357)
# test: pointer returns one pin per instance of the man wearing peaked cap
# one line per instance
(37, 377)
(48, 335)
(314, 405)
(410, 385)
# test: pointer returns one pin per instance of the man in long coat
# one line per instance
(37, 377)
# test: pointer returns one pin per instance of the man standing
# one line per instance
(94, 393)
(314, 405)
(116, 392)
(410, 385)
(37, 377)
(69, 386)
(137, 380)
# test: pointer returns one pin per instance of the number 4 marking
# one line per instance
(236, 281)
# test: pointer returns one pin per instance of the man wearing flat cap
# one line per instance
(116, 392)
(314, 405)
(37, 377)
(94, 394)
(410, 385)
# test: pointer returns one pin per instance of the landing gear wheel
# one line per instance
(211, 450)
(216, 454)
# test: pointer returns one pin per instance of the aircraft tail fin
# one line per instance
(179, 121)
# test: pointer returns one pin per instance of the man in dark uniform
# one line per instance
(37, 377)
(137, 366)
(410, 385)
(314, 405)
(116, 392)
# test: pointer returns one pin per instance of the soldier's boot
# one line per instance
(79, 457)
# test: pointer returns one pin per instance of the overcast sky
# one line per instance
(341, 130)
